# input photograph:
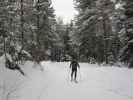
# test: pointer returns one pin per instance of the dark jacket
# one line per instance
(74, 64)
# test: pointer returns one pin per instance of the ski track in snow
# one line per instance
(95, 83)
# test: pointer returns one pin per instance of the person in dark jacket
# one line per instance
(73, 66)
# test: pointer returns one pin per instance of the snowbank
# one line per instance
(12, 81)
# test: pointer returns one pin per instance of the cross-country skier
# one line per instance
(73, 66)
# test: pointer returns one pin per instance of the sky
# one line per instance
(64, 9)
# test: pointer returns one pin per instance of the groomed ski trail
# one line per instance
(96, 83)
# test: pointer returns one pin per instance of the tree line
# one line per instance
(26, 30)
(104, 30)
(101, 32)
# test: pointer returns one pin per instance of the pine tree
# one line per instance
(44, 33)
(58, 51)
(25, 25)
(127, 51)
(95, 25)
(85, 23)
(3, 23)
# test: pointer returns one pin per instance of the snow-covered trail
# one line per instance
(95, 83)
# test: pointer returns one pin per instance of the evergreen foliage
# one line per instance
(96, 30)
(127, 51)
(26, 29)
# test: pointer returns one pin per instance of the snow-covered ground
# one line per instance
(95, 83)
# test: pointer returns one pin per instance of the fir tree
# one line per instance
(94, 25)
(127, 51)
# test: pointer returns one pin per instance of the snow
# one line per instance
(8, 57)
(94, 82)
(10, 81)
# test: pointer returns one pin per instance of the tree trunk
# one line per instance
(22, 24)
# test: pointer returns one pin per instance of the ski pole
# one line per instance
(79, 75)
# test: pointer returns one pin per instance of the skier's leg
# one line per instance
(72, 75)
(75, 74)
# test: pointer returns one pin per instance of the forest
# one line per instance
(101, 32)
(88, 57)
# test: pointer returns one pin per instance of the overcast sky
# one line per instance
(65, 9)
